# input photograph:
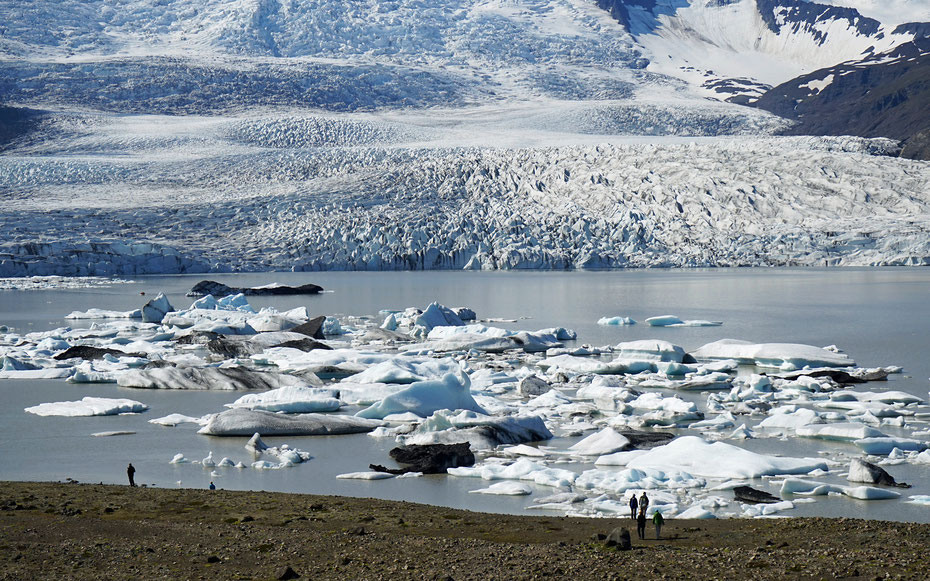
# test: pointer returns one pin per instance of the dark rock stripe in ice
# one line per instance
(243, 422)
(218, 289)
(226, 378)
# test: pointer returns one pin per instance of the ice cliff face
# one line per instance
(246, 194)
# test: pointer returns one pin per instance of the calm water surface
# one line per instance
(878, 316)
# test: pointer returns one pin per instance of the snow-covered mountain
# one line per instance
(183, 135)
(738, 49)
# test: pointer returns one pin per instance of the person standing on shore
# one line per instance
(658, 521)
(643, 501)
(633, 505)
(131, 472)
(641, 524)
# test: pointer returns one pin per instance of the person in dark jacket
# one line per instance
(633, 505)
(131, 472)
(641, 524)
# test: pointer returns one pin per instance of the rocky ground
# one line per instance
(78, 531)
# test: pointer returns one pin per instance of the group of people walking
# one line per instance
(640, 517)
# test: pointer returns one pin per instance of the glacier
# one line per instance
(215, 136)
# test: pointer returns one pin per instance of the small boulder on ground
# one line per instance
(620, 539)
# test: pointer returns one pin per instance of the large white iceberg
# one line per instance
(784, 356)
(88, 406)
(604, 442)
(720, 460)
(292, 400)
(651, 350)
(425, 397)
(846, 431)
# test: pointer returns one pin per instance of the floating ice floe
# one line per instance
(104, 314)
(522, 469)
(285, 455)
(784, 356)
(365, 476)
(175, 419)
(720, 460)
(650, 350)
(88, 406)
(291, 399)
(814, 488)
(212, 378)
(51, 373)
(406, 370)
(608, 321)
(673, 321)
(846, 432)
(437, 315)
(425, 397)
(480, 430)
(244, 422)
(790, 416)
(604, 442)
(505, 489)
(882, 446)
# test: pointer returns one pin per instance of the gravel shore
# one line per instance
(86, 531)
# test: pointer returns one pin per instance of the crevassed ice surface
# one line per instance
(229, 136)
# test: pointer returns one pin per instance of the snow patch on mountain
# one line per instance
(888, 12)
(740, 48)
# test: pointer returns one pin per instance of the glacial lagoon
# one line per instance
(879, 317)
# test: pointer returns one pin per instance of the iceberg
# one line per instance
(291, 399)
(104, 314)
(244, 422)
(606, 441)
(425, 397)
(214, 378)
(846, 432)
(522, 469)
(505, 489)
(884, 446)
(88, 406)
(783, 356)
(790, 417)
(720, 460)
(650, 350)
(673, 321)
(480, 430)
(437, 315)
(608, 321)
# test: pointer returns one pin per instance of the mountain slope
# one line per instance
(885, 95)
(737, 49)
